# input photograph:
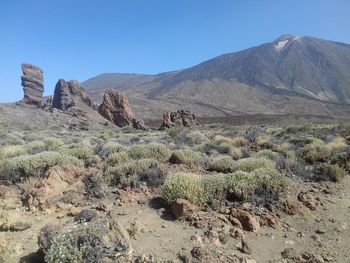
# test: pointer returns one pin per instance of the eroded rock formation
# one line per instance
(51, 185)
(180, 118)
(139, 125)
(115, 107)
(33, 85)
(68, 94)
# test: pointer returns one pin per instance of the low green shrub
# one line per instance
(241, 184)
(317, 153)
(187, 157)
(267, 154)
(158, 152)
(207, 148)
(81, 244)
(117, 158)
(22, 167)
(251, 164)
(222, 164)
(10, 151)
(105, 149)
(154, 175)
(329, 172)
(13, 139)
(341, 157)
(52, 144)
(35, 147)
(214, 187)
(270, 183)
(131, 173)
(186, 186)
(84, 154)
(181, 136)
(261, 183)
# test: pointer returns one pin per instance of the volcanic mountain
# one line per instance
(295, 75)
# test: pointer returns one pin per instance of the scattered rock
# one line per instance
(248, 221)
(20, 226)
(177, 119)
(235, 222)
(308, 200)
(73, 211)
(246, 248)
(105, 206)
(312, 258)
(139, 125)
(51, 185)
(201, 254)
(85, 215)
(320, 231)
(33, 85)
(115, 107)
(292, 254)
(236, 233)
(292, 207)
(183, 209)
(271, 220)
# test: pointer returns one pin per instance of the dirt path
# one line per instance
(324, 232)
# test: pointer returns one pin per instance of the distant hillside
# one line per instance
(299, 75)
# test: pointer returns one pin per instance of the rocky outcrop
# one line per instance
(177, 119)
(49, 189)
(248, 221)
(183, 209)
(116, 108)
(139, 125)
(33, 85)
(69, 94)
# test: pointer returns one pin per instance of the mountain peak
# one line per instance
(284, 37)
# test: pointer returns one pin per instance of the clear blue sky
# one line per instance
(78, 39)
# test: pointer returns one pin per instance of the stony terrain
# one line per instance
(78, 190)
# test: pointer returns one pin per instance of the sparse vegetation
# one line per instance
(316, 153)
(158, 152)
(22, 167)
(81, 244)
(330, 172)
(222, 164)
(251, 164)
(184, 185)
(187, 157)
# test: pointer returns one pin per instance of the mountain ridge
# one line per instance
(289, 70)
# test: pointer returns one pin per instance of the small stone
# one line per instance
(320, 231)
(292, 207)
(183, 209)
(248, 221)
(20, 226)
(246, 248)
(235, 222)
(300, 234)
(86, 215)
(236, 233)
(73, 211)
(292, 254)
(308, 200)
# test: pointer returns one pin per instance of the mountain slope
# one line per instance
(301, 75)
